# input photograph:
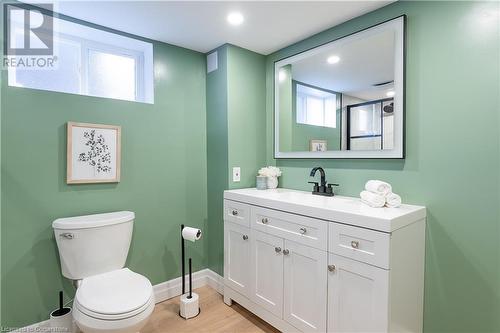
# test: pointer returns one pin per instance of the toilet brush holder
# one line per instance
(189, 306)
(61, 320)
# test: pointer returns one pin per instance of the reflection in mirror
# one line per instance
(344, 98)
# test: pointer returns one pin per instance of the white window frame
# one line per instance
(304, 97)
(142, 56)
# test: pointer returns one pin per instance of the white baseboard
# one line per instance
(162, 291)
(215, 281)
(173, 288)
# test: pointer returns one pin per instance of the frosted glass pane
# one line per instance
(314, 111)
(316, 107)
(65, 77)
(111, 75)
(331, 112)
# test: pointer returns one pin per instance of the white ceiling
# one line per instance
(363, 63)
(202, 26)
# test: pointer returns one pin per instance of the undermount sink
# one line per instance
(342, 209)
(283, 194)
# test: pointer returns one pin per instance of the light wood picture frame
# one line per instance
(318, 145)
(93, 153)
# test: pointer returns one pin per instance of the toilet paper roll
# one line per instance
(191, 234)
(189, 307)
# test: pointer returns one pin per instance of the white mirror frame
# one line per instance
(398, 24)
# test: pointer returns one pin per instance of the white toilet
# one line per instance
(93, 250)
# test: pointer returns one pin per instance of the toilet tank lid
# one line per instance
(93, 221)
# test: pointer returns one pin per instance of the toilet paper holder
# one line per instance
(189, 307)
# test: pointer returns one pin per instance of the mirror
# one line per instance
(344, 99)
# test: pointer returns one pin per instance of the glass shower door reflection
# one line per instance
(364, 126)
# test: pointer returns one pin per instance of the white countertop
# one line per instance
(341, 209)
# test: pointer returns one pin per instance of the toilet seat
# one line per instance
(114, 295)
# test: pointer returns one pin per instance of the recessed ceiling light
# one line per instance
(333, 59)
(390, 93)
(235, 18)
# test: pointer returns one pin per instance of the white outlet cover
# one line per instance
(236, 174)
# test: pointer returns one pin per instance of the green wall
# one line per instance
(452, 153)
(163, 179)
(217, 158)
(236, 134)
(246, 114)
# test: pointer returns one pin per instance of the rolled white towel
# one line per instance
(378, 186)
(372, 199)
(392, 200)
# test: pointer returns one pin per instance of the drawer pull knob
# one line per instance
(245, 237)
(277, 249)
(265, 220)
(303, 230)
(331, 268)
(286, 252)
(234, 212)
(354, 244)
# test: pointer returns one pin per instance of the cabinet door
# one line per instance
(357, 296)
(237, 257)
(305, 289)
(267, 272)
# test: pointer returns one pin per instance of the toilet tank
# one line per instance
(93, 244)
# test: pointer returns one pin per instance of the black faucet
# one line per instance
(323, 189)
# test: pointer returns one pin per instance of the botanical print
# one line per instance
(98, 154)
(93, 153)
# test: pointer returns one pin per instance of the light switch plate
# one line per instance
(236, 174)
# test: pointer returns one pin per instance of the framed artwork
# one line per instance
(317, 145)
(93, 153)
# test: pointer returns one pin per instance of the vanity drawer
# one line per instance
(237, 212)
(300, 229)
(365, 245)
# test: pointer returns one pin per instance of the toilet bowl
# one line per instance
(93, 250)
(118, 301)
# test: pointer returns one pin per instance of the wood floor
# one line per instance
(215, 316)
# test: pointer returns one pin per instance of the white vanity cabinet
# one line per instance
(236, 255)
(305, 287)
(358, 296)
(266, 271)
(306, 263)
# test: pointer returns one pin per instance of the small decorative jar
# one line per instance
(272, 182)
(261, 182)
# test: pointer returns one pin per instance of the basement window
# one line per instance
(90, 62)
(316, 107)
